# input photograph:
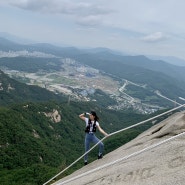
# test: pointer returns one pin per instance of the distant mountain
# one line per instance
(101, 50)
(7, 45)
(169, 59)
(15, 38)
(156, 65)
(137, 61)
(165, 77)
(98, 53)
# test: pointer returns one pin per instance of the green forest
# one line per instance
(34, 148)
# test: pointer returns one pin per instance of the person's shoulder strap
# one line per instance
(89, 121)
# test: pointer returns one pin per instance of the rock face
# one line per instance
(55, 116)
(162, 165)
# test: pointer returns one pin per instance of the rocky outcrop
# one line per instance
(161, 165)
(55, 116)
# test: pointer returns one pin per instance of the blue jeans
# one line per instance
(90, 137)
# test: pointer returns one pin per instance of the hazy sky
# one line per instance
(136, 26)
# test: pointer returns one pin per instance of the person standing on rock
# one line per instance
(91, 125)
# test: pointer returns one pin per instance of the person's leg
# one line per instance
(101, 146)
(87, 146)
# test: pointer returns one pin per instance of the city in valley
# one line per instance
(79, 81)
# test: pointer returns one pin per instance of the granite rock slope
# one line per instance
(161, 165)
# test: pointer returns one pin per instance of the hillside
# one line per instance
(39, 139)
(12, 91)
(142, 161)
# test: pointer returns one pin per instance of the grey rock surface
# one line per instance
(162, 165)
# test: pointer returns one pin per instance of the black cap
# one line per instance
(95, 115)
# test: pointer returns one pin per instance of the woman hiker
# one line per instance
(91, 125)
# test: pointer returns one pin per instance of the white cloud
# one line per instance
(90, 21)
(155, 37)
(81, 12)
(80, 8)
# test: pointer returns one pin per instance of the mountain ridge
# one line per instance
(99, 54)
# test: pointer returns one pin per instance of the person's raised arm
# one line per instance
(82, 116)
